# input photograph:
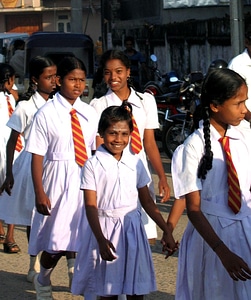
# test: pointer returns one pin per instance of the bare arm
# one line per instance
(153, 154)
(43, 203)
(177, 210)
(152, 210)
(10, 150)
(105, 245)
(235, 266)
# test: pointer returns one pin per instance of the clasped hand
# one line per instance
(168, 244)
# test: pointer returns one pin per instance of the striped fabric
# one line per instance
(78, 139)
(234, 193)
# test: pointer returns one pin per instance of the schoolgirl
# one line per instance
(114, 256)
(17, 203)
(56, 172)
(214, 257)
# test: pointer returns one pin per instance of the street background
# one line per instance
(14, 267)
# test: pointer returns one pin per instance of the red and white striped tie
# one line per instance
(78, 139)
(234, 192)
(136, 144)
(19, 145)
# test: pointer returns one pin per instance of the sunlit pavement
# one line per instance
(14, 267)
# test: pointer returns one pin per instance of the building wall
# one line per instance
(50, 14)
(184, 39)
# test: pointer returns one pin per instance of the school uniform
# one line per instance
(201, 275)
(5, 132)
(17, 208)
(116, 184)
(145, 113)
(51, 137)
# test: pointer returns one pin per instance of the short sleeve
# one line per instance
(184, 170)
(88, 178)
(150, 108)
(142, 176)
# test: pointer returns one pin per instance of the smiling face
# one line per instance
(116, 74)
(72, 85)
(232, 111)
(116, 138)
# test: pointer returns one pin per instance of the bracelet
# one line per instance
(217, 245)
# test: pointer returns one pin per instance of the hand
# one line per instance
(164, 189)
(43, 204)
(105, 247)
(168, 244)
(7, 185)
(236, 267)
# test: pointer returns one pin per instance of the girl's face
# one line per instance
(72, 85)
(116, 74)
(231, 112)
(46, 83)
(116, 138)
(9, 84)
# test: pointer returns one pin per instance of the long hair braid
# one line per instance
(207, 158)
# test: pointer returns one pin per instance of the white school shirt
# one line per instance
(51, 137)
(5, 132)
(242, 65)
(23, 114)
(144, 110)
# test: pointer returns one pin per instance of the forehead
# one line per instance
(78, 73)
(114, 64)
(119, 126)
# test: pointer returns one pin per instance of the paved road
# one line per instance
(14, 267)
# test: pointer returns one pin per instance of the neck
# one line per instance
(123, 95)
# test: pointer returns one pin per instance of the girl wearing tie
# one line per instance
(214, 258)
(56, 172)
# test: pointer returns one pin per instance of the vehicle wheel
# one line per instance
(172, 138)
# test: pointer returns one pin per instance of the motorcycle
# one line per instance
(165, 89)
(162, 83)
(177, 127)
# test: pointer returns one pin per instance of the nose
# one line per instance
(118, 137)
(245, 110)
(53, 79)
(112, 75)
(77, 82)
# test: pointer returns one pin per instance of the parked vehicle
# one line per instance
(57, 45)
(161, 83)
(177, 127)
(6, 41)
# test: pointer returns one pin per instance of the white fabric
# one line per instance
(145, 114)
(51, 133)
(201, 274)
(116, 184)
(242, 65)
(5, 132)
(17, 208)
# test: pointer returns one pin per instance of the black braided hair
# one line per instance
(207, 159)
(6, 72)
(114, 114)
(218, 86)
